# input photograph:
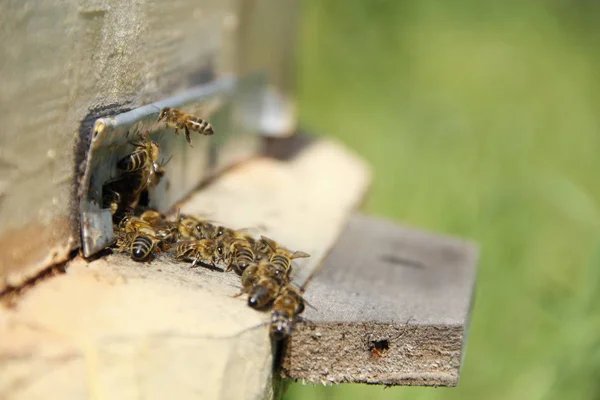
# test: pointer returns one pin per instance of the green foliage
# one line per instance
(480, 120)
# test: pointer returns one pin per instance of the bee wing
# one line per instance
(252, 231)
(207, 109)
(299, 254)
(202, 217)
(272, 244)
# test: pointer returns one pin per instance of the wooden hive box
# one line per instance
(391, 303)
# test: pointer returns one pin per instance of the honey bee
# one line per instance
(186, 225)
(133, 224)
(126, 188)
(138, 236)
(166, 231)
(123, 241)
(194, 228)
(255, 272)
(199, 251)
(286, 307)
(281, 256)
(111, 199)
(146, 153)
(241, 255)
(143, 165)
(180, 120)
(263, 292)
(262, 283)
(142, 246)
(262, 249)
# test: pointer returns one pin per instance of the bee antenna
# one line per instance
(255, 326)
(167, 161)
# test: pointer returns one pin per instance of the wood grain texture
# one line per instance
(113, 328)
(392, 307)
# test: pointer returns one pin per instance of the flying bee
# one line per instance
(286, 307)
(199, 251)
(180, 120)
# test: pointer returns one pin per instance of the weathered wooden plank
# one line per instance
(114, 328)
(65, 63)
(392, 307)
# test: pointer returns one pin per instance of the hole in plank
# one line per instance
(378, 348)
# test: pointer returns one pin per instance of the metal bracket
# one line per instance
(234, 107)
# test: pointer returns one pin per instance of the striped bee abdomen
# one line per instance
(141, 247)
(133, 161)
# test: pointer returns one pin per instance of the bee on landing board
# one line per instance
(138, 237)
(263, 292)
(166, 231)
(262, 282)
(198, 251)
(242, 254)
(142, 247)
(286, 307)
(179, 120)
(281, 256)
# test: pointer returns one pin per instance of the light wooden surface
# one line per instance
(406, 291)
(66, 63)
(114, 328)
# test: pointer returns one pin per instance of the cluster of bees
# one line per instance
(264, 265)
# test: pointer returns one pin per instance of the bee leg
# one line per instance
(229, 266)
(237, 295)
(187, 135)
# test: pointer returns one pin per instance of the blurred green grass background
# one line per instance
(480, 120)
